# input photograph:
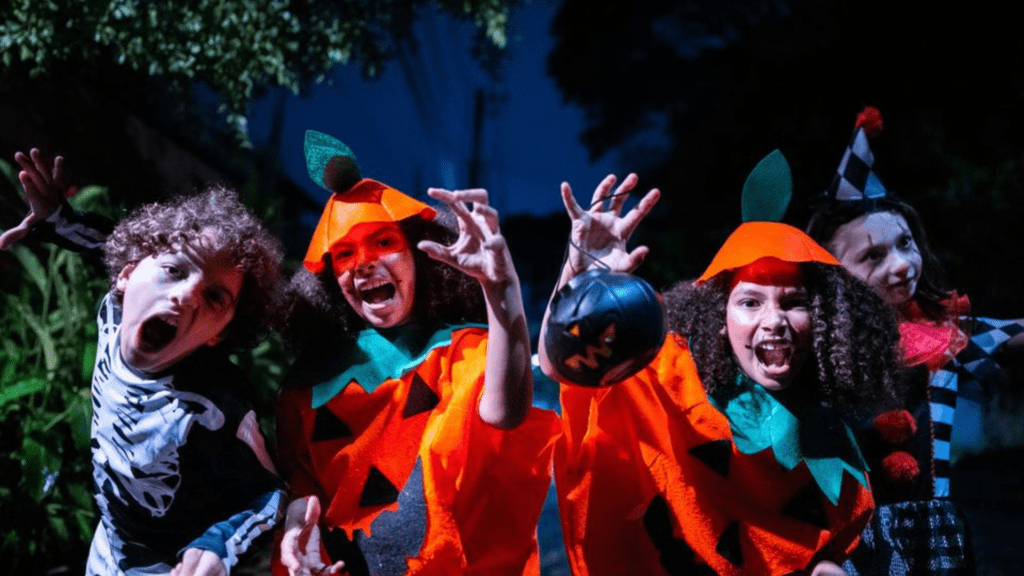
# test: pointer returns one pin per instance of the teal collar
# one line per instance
(795, 432)
(379, 355)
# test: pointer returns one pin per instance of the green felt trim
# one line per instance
(379, 355)
(320, 149)
(768, 190)
(812, 435)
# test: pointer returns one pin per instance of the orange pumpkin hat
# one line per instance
(354, 199)
(766, 196)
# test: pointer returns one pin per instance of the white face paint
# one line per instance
(769, 329)
(879, 249)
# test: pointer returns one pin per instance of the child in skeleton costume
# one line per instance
(726, 454)
(950, 359)
(407, 419)
(183, 481)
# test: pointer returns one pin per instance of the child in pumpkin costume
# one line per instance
(411, 424)
(725, 455)
(951, 361)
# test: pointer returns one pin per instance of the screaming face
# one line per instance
(769, 329)
(176, 302)
(375, 270)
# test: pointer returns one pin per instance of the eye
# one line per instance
(905, 241)
(874, 255)
(173, 271)
(748, 303)
(344, 253)
(385, 242)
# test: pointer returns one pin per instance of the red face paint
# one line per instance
(367, 242)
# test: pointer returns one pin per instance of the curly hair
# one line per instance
(317, 316)
(828, 215)
(163, 227)
(854, 337)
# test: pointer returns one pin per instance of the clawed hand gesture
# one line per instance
(601, 232)
(44, 185)
(480, 250)
(300, 546)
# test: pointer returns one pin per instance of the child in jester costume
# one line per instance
(406, 419)
(726, 454)
(951, 362)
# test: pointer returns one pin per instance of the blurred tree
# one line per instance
(233, 46)
(692, 94)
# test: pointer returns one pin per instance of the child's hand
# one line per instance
(44, 188)
(480, 249)
(199, 562)
(600, 231)
(300, 546)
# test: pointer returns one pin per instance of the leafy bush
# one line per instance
(47, 350)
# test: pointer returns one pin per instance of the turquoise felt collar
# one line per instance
(379, 355)
(812, 434)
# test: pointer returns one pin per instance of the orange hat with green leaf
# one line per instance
(766, 196)
(354, 199)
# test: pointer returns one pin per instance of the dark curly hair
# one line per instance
(318, 318)
(163, 226)
(828, 215)
(854, 344)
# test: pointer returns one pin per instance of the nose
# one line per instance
(365, 262)
(774, 319)
(900, 266)
(186, 292)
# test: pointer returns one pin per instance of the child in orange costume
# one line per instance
(670, 471)
(412, 427)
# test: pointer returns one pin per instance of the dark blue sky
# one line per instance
(413, 126)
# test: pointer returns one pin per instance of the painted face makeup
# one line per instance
(879, 249)
(769, 329)
(174, 303)
(375, 270)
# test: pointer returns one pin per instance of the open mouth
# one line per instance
(377, 294)
(156, 333)
(774, 354)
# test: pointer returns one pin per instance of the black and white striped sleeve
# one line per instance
(76, 231)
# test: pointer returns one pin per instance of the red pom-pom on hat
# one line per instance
(900, 468)
(895, 426)
(870, 119)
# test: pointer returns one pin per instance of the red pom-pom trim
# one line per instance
(896, 426)
(870, 119)
(900, 468)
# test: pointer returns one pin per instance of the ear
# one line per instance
(219, 337)
(122, 278)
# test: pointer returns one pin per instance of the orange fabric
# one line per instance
(626, 447)
(484, 487)
(755, 240)
(367, 201)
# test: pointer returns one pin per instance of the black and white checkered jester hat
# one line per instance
(855, 178)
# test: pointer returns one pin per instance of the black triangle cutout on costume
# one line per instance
(715, 454)
(421, 398)
(807, 506)
(728, 546)
(378, 490)
(676, 556)
(327, 426)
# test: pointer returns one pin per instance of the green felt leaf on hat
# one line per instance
(768, 189)
(329, 162)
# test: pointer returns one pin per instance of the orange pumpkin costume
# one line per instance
(412, 457)
(654, 477)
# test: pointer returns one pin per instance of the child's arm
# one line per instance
(50, 218)
(228, 539)
(603, 234)
(481, 252)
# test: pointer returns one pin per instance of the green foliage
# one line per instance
(47, 350)
(234, 46)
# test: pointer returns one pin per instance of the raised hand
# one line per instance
(198, 562)
(45, 187)
(601, 232)
(300, 546)
(480, 250)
